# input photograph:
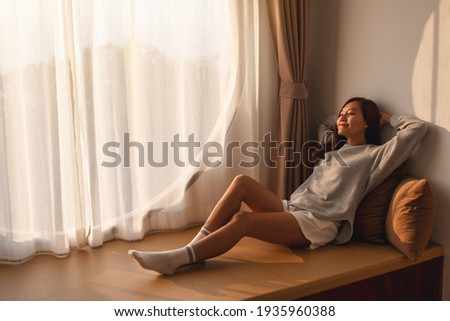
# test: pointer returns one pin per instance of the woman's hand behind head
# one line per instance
(385, 118)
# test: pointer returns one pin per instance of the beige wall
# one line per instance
(396, 52)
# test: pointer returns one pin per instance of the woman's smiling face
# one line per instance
(351, 123)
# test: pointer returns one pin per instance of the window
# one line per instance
(92, 93)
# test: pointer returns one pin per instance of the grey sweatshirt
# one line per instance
(341, 180)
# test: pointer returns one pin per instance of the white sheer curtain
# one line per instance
(94, 98)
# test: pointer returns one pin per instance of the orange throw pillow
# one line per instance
(410, 219)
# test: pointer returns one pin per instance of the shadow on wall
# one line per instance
(368, 48)
(431, 77)
(430, 99)
(322, 52)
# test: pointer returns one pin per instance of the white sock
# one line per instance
(166, 262)
(204, 231)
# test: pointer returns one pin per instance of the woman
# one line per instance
(321, 210)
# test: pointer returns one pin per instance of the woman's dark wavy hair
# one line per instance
(371, 114)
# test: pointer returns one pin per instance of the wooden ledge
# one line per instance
(253, 270)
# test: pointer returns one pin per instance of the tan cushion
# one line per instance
(369, 224)
(410, 218)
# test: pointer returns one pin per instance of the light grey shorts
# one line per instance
(316, 231)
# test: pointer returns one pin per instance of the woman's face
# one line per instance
(351, 123)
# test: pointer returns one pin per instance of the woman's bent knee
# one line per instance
(241, 184)
(242, 180)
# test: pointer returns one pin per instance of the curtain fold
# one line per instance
(289, 25)
(99, 103)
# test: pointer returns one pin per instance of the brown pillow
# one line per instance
(370, 216)
(410, 218)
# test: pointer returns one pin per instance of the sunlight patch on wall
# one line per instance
(431, 74)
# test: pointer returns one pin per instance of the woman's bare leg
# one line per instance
(274, 227)
(227, 225)
(243, 189)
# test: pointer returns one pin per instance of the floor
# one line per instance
(105, 273)
(108, 273)
(253, 270)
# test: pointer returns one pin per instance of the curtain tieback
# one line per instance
(293, 90)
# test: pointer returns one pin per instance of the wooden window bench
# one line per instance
(253, 270)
